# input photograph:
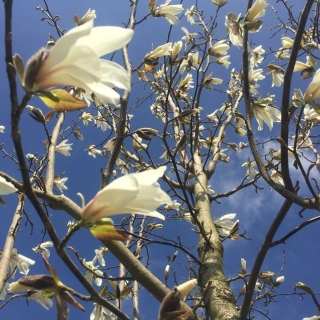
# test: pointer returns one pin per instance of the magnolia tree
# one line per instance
(216, 113)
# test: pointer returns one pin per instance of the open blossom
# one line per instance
(137, 193)
(287, 43)
(257, 10)
(234, 31)
(192, 62)
(92, 151)
(219, 49)
(64, 148)
(307, 69)
(93, 273)
(6, 187)
(75, 61)
(251, 171)
(310, 114)
(39, 297)
(169, 12)
(89, 15)
(224, 224)
(190, 13)
(256, 56)
(20, 262)
(86, 117)
(60, 183)
(263, 113)
(43, 247)
(2, 129)
(189, 37)
(313, 90)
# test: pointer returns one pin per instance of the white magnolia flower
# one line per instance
(2, 129)
(220, 48)
(101, 313)
(6, 187)
(20, 262)
(89, 15)
(60, 183)
(234, 31)
(137, 193)
(313, 90)
(173, 206)
(41, 299)
(251, 171)
(189, 37)
(137, 143)
(224, 61)
(75, 61)
(310, 114)
(257, 10)
(283, 54)
(169, 12)
(192, 62)
(287, 43)
(99, 256)
(187, 82)
(256, 56)
(92, 151)
(160, 51)
(175, 51)
(277, 78)
(213, 116)
(224, 224)
(32, 157)
(86, 117)
(43, 247)
(64, 148)
(312, 318)
(190, 13)
(93, 274)
(264, 113)
(301, 66)
(101, 122)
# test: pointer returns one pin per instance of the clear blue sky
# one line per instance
(255, 210)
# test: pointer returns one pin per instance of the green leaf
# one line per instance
(108, 232)
(61, 100)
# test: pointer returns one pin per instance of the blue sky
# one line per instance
(255, 210)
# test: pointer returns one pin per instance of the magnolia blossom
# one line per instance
(43, 247)
(6, 187)
(20, 262)
(224, 61)
(251, 171)
(190, 13)
(101, 313)
(189, 37)
(283, 54)
(308, 66)
(263, 113)
(310, 114)
(101, 122)
(192, 62)
(313, 90)
(277, 177)
(2, 129)
(173, 206)
(89, 15)
(287, 43)
(60, 183)
(256, 56)
(224, 224)
(277, 78)
(92, 151)
(219, 49)
(169, 12)
(137, 143)
(137, 193)
(257, 10)
(86, 117)
(64, 148)
(234, 31)
(41, 299)
(93, 273)
(175, 51)
(75, 61)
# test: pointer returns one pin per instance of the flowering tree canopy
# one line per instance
(194, 130)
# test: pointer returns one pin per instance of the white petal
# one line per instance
(6, 187)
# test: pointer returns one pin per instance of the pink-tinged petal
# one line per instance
(137, 193)
(103, 40)
(80, 66)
